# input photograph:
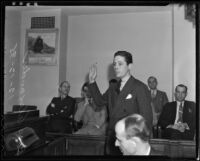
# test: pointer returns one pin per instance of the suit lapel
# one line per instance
(158, 94)
(128, 87)
(185, 111)
(174, 108)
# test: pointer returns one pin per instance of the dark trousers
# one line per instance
(174, 134)
(111, 149)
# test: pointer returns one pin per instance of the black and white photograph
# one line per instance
(103, 80)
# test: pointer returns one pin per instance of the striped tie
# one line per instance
(180, 113)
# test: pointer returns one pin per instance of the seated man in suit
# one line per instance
(132, 136)
(158, 100)
(177, 119)
(94, 122)
(61, 110)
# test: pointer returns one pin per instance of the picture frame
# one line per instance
(41, 47)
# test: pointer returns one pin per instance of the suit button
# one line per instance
(124, 110)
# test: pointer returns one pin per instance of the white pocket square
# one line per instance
(129, 96)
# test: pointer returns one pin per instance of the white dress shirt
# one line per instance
(123, 82)
(153, 93)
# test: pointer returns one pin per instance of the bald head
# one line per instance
(133, 125)
(120, 127)
(132, 135)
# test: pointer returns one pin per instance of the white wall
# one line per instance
(95, 38)
(184, 52)
(41, 82)
(87, 39)
(11, 58)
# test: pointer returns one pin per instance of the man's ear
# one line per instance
(132, 144)
(135, 139)
(130, 66)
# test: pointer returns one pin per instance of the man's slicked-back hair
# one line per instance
(181, 85)
(126, 55)
(135, 125)
(152, 77)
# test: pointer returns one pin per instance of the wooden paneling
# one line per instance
(173, 148)
(56, 147)
(82, 144)
(95, 145)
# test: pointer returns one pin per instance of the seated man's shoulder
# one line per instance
(161, 92)
(55, 98)
(170, 103)
(190, 102)
(70, 98)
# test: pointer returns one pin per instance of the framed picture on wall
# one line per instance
(41, 46)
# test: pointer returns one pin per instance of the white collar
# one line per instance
(125, 79)
(148, 151)
(123, 82)
(178, 103)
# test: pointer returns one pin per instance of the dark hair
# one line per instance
(181, 85)
(153, 78)
(113, 81)
(84, 85)
(136, 125)
(126, 55)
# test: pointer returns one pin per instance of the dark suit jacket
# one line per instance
(60, 121)
(67, 105)
(168, 115)
(134, 98)
(159, 101)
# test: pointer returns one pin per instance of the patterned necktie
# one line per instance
(180, 113)
(153, 94)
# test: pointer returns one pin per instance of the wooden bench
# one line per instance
(175, 148)
(81, 144)
(95, 145)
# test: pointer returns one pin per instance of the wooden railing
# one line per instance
(95, 145)
(175, 148)
(81, 144)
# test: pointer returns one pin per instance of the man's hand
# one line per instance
(181, 126)
(92, 73)
(170, 126)
(186, 126)
(178, 126)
